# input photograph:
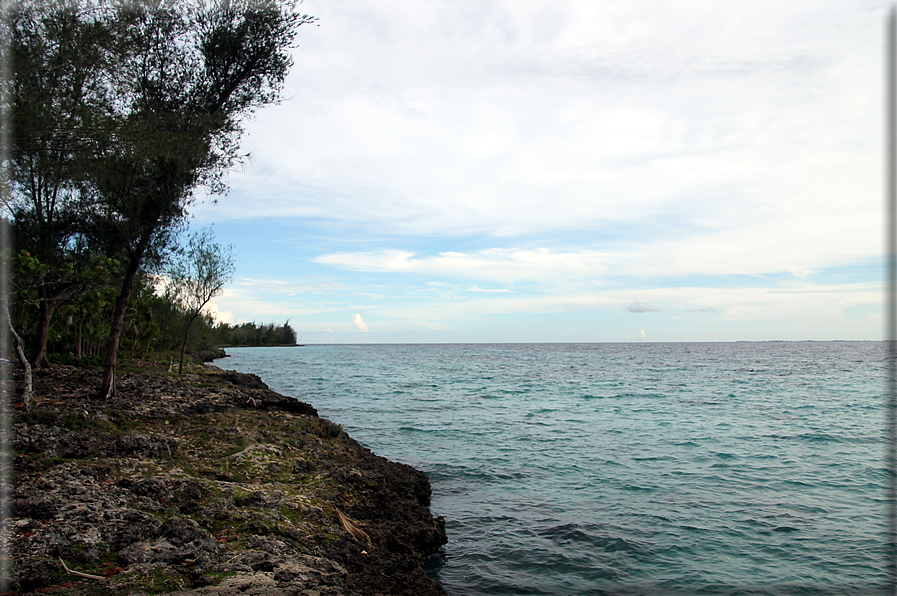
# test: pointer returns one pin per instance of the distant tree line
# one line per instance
(122, 114)
(251, 334)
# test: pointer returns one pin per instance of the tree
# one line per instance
(9, 333)
(73, 286)
(199, 277)
(252, 334)
(123, 110)
(63, 54)
(194, 73)
(287, 335)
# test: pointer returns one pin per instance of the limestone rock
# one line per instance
(208, 483)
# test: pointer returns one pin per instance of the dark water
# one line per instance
(707, 468)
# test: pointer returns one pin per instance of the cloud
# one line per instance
(575, 154)
(494, 264)
(761, 248)
(293, 287)
(362, 326)
(211, 308)
(757, 308)
(639, 307)
(518, 120)
(640, 336)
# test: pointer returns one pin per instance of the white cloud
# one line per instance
(638, 307)
(359, 323)
(498, 264)
(806, 302)
(535, 116)
(792, 309)
(626, 139)
(218, 316)
(770, 249)
(640, 336)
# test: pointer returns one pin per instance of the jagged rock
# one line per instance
(132, 445)
(124, 527)
(223, 490)
(257, 499)
(243, 380)
(41, 507)
(210, 355)
(51, 441)
(186, 532)
(301, 466)
(270, 401)
(288, 575)
(179, 539)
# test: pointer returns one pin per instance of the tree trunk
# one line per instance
(39, 350)
(78, 353)
(184, 343)
(20, 352)
(118, 318)
(47, 306)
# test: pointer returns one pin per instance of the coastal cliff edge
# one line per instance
(206, 483)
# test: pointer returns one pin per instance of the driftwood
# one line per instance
(78, 573)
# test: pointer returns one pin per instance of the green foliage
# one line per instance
(79, 294)
(121, 111)
(252, 334)
(154, 325)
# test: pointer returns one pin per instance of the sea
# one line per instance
(748, 468)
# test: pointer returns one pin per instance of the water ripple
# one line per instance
(681, 469)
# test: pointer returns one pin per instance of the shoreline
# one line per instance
(208, 483)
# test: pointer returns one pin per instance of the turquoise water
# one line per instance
(739, 468)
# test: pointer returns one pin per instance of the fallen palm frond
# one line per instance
(352, 528)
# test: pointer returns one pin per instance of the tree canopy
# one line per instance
(123, 110)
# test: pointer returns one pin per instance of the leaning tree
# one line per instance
(193, 74)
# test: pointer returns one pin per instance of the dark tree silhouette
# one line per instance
(193, 74)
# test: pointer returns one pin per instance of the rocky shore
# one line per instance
(206, 483)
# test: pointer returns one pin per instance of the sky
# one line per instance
(566, 171)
